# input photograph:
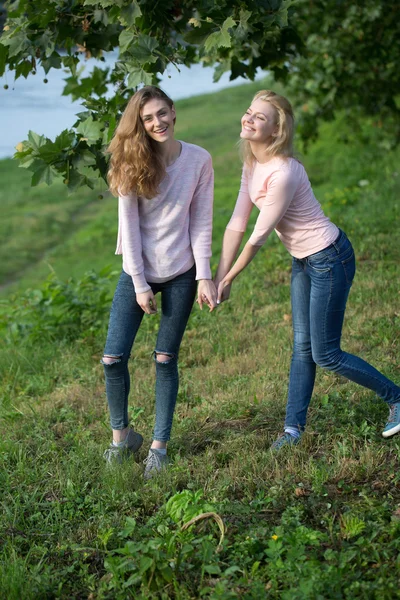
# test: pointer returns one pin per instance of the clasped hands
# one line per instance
(209, 292)
(213, 292)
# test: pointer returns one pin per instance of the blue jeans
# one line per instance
(177, 296)
(320, 287)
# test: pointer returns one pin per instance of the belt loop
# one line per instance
(335, 244)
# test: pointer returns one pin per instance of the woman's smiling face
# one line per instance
(158, 120)
(259, 123)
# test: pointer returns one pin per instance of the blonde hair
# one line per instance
(282, 144)
(136, 163)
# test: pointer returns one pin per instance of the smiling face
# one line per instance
(259, 123)
(158, 120)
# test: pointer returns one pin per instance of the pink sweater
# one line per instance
(165, 236)
(281, 190)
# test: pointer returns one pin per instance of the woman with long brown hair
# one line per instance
(323, 264)
(165, 190)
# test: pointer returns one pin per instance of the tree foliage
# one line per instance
(237, 36)
(331, 53)
(350, 61)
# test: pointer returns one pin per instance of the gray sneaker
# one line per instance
(284, 440)
(117, 454)
(154, 462)
(393, 424)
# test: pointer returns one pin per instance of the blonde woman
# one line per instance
(323, 264)
(165, 190)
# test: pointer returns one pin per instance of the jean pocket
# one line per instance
(349, 266)
(319, 266)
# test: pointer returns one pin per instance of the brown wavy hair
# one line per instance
(282, 144)
(136, 164)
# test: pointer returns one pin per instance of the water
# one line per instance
(31, 104)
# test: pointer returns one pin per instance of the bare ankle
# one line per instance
(119, 435)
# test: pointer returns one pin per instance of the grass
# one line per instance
(320, 522)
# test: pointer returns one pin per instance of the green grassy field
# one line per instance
(318, 523)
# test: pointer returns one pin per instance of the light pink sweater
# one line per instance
(163, 237)
(281, 190)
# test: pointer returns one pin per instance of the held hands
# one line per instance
(147, 302)
(223, 290)
(207, 294)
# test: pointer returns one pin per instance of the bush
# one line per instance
(59, 310)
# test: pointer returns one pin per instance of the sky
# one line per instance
(32, 104)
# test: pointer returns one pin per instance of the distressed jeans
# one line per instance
(319, 290)
(177, 297)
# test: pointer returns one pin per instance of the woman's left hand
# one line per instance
(207, 294)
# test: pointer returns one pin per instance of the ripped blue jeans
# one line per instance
(177, 297)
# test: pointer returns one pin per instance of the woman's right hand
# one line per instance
(147, 302)
(224, 290)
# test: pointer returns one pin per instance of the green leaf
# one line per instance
(220, 69)
(231, 570)
(36, 140)
(212, 569)
(23, 68)
(100, 16)
(75, 180)
(146, 562)
(17, 43)
(221, 38)
(143, 50)
(130, 526)
(125, 40)
(90, 130)
(102, 3)
(53, 62)
(48, 152)
(282, 14)
(3, 59)
(130, 13)
(71, 63)
(43, 174)
(244, 18)
(65, 139)
(137, 76)
(26, 161)
(217, 40)
(84, 159)
(109, 131)
(51, 151)
(46, 42)
(24, 154)
(238, 69)
(228, 24)
(108, 3)
(243, 29)
(167, 573)
(197, 36)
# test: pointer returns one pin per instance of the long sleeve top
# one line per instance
(163, 237)
(282, 191)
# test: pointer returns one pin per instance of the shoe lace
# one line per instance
(282, 439)
(151, 460)
(111, 451)
(393, 413)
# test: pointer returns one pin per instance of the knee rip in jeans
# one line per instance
(163, 357)
(111, 359)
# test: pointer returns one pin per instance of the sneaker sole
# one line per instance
(391, 432)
